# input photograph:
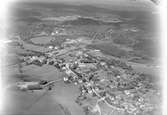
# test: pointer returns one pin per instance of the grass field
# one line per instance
(42, 40)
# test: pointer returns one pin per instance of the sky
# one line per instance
(120, 4)
(117, 2)
(98, 1)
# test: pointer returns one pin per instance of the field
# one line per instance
(41, 40)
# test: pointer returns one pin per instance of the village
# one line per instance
(108, 82)
(81, 60)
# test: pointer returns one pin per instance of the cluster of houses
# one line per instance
(81, 69)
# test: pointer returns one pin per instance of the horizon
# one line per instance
(128, 5)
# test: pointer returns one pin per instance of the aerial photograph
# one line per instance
(82, 57)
